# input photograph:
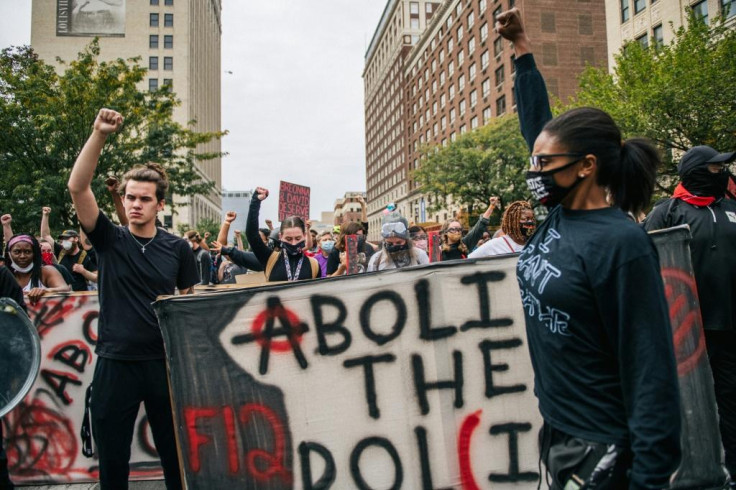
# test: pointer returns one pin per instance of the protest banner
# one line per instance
(412, 378)
(354, 263)
(41, 434)
(702, 463)
(434, 248)
(293, 201)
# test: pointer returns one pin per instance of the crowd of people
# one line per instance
(605, 372)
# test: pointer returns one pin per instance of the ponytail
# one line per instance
(627, 169)
(631, 183)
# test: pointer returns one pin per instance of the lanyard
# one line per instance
(295, 276)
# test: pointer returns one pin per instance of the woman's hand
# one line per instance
(261, 193)
(35, 294)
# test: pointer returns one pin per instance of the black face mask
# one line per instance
(544, 188)
(393, 249)
(702, 182)
(295, 249)
(528, 227)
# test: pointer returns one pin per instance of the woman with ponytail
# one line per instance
(26, 263)
(597, 321)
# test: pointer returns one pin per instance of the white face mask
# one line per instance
(67, 244)
(22, 270)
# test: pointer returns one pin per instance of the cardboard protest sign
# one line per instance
(293, 201)
(41, 435)
(413, 378)
(435, 246)
(353, 262)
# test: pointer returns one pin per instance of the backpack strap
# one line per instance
(509, 245)
(82, 256)
(272, 259)
(315, 267)
(668, 215)
(62, 254)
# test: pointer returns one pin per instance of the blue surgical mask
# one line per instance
(327, 245)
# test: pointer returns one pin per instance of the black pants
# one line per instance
(118, 388)
(721, 346)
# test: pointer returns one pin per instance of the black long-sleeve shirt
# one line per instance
(597, 322)
(243, 259)
(263, 253)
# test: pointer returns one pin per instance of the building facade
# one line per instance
(179, 42)
(348, 208)
(459, 74)
(648, 21)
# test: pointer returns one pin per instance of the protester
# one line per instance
(454, 245)
(34, 278)
(398, 250)
(699, 202)
(418, 237)
(597, 321)
(325, 245)
(201, 257)
(518, 224)
(364, 248)
(229, 270)
(287, 262)
(81, 264)
(137, 264)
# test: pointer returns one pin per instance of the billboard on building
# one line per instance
(90, 17)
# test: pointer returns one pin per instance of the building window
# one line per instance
(501, 105)
(443, 123)
(499, 75)
(449, 46)
(474, 122)
(153, 41)
(459, 33)
(168, 63)
(414, 8)
(168, 84)
(548, 22)
(498, 46)
(463, 129)
(154, 2)
(471, 20)
(658, 35)
(486, 115)
(471, 73)
(471, 45)
(153, 62)
(486, 87)
(625, 13)
(168, 20)
(484, 59)
(443, 99)
(460, 83)
(460, 58)
(585, 24)
(482, 5)
(452, 91)
(473, 98)
(414, 22)
(152, 84)
(461, 107)
(153, 20)
(639, 5)
(549, 54)
(643, 40)
(484, 32)
(728, 9)
(452, 115)
(450, 69)
(701, 10)
(168, 2)
(168, 41)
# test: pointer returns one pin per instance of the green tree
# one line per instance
(489, 161)
(47, 116)
(679, 95)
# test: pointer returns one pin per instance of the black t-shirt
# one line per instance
(204, 265)
(9, 287)
(599, 335)
(79, 283)
(129, 281)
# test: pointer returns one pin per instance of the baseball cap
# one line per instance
(702, 155)
(69, 234)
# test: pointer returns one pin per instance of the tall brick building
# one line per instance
(457, 76)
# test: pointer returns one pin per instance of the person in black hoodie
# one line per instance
(287, 262)
(699, 202)
(597, 320)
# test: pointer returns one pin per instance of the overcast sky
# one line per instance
(294, 101)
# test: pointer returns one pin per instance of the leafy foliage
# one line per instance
(483, 163)
(46, 117)
(678, 95)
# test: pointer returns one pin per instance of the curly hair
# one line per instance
(150, 172)
(510, 221)
(446, 244)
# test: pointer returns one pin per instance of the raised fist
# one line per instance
(509, 25)
(230, 216)
(111, 183)
(108, 121)
(6, 219)
(237, 232)
(46, 210)
(207, 234)
(269, 223)
(261, 193)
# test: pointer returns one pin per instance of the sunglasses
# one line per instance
(539, 161)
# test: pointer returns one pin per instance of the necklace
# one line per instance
(142, 245)
(289, 275)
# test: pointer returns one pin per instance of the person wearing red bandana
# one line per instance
(699, 201)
